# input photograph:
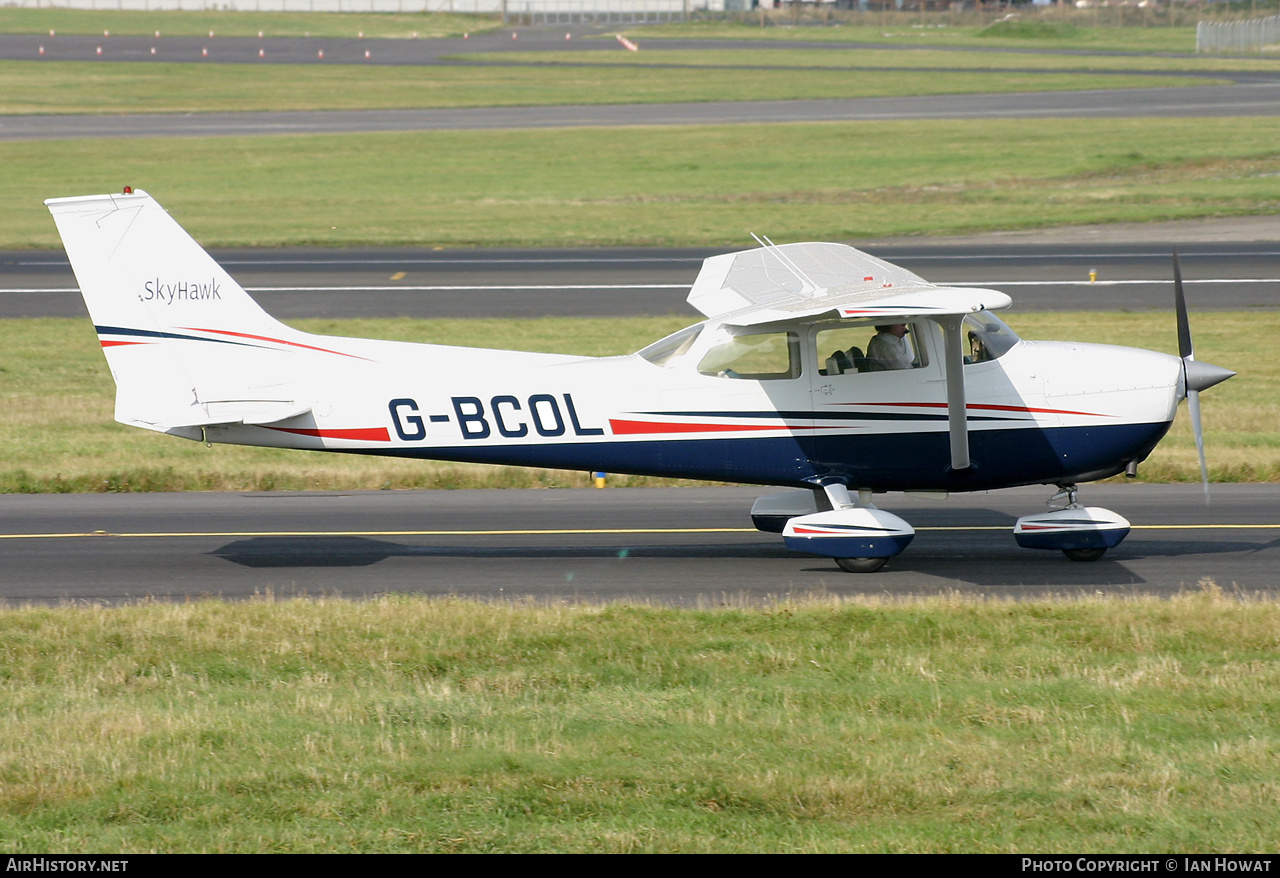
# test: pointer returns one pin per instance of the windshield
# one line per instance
(987, 337)
(672, 347)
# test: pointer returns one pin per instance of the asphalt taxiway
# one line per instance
(620, 282)
(1260, 99)
(683, 546)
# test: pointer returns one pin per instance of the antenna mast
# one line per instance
(807, 286)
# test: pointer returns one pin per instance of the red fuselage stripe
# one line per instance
(366, 434)
(977, 407)
(629, 427)
(292, 344)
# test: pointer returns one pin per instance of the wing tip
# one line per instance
(112, 197)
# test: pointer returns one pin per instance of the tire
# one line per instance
(1084, 554)
(861, 565)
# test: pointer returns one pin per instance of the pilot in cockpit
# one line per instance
(889, 349)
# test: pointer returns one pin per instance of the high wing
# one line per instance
(775, 283)
(792, 281)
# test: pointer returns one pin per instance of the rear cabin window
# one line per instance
(762, 357)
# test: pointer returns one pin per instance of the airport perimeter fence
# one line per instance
(596, 11)
(1239, 37)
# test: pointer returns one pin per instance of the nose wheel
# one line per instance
(861, 565)
(1082, 533)
(1084, 554)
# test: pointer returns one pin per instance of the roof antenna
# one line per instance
(807, 286)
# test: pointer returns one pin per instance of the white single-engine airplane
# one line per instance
(801, 376)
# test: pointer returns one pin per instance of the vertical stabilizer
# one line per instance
(186, 344)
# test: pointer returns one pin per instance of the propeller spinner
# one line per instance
(1197, 376)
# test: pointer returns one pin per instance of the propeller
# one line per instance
(1197, 376)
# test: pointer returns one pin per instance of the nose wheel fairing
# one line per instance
(1071, 530)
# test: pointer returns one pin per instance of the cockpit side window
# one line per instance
(986, 337)
(761, 357)
(863, 348)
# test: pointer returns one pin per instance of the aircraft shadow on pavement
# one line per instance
(363, 551)
(989, 560)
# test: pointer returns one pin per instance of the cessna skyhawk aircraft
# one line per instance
(819, 368)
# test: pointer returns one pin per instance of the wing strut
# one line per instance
(957, 420)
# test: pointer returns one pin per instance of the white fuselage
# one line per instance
(1040, 412)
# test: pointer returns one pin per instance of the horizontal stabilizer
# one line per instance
(253, 412)
(182, 419)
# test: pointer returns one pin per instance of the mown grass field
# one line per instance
(162, 87)
(230, 23)
(1164, 29)
(662, 185)
(58, 434)
(417, 725)
(948, 61)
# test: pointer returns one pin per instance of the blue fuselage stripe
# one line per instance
(891, 462)
(152, 333)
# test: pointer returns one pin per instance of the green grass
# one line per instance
(226, 23)
(416, 725)
(58, 432)
(1040, 31)
(663, 185)
(1030, 67)
(161, 87)
(1106, 30)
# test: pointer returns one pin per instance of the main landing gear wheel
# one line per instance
(1084, 554)
(861, 565)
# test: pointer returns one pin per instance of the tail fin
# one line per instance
(187, 346)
